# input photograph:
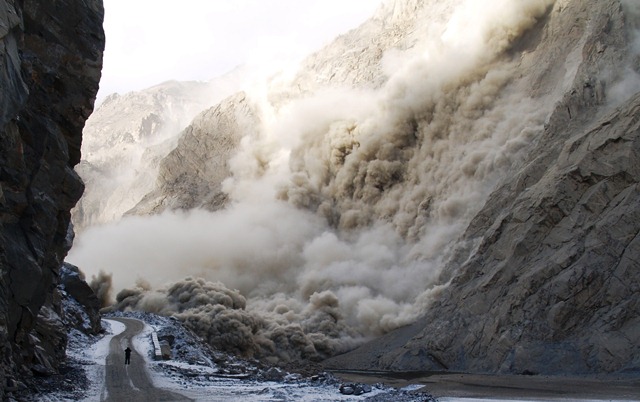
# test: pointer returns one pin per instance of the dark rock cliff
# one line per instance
(50, 63)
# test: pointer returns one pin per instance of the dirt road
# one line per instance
(131, 382)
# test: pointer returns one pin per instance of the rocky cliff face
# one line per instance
(188, 176)
(546, 273)
(144, 127)
(551, 285)
(461, 168)
(50, 61)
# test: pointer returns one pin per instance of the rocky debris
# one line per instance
(198, 365)
(50, 61)
(350, 388)
(185, 345)
(72, 313)
(273, 374)
(545, 278)
(70, 381)
(73, 283)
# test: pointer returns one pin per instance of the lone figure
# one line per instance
(127, 356)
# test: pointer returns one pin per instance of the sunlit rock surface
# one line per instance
(127, 136)
(189, 177)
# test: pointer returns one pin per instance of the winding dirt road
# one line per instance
(130, 382)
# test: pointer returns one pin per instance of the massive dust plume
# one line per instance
(345, 203)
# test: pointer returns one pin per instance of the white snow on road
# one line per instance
(214, 389)
(203, 383)
(95, 353)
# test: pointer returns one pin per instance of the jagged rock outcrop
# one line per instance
(144, 127)
(82, 310)
(50, 62)
(547, 277)
(191, 175)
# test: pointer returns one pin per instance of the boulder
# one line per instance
(274, 374)
(72, 282)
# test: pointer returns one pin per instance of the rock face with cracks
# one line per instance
(50, 61)
(188, 176)
(547, 274)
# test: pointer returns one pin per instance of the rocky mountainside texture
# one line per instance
(116, 182)
(50, 62)
(547, 278)
(453, 181)
(188, 176)
(552, 284)
(144, 127)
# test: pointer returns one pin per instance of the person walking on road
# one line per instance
(127, 356)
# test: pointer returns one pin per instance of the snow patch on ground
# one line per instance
(199, 373)
(83, 349)
(204, 383)
(194, 374)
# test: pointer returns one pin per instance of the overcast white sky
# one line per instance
(152, 41)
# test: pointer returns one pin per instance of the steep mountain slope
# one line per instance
(189, 177)
(552, 286)
(548, 280)
(433, 166)
(50, 61)
(127, 136)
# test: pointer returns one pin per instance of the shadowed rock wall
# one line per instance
(50, 63)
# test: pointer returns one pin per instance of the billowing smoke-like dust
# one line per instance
(288, 331)
(629, 84)
(101, 284)
(347, 203)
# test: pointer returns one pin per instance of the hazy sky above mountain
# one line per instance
(151, 41)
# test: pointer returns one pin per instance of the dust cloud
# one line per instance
(101, 284)
(346, 203)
